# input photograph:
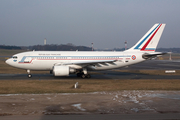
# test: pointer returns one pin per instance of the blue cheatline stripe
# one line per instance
(72, 57)
(137, 47)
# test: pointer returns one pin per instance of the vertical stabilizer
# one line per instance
(150, 40)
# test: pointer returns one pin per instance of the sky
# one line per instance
(105, 23)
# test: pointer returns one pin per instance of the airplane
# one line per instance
(64, 63)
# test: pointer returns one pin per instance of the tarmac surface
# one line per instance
(101, 75)
(157, 65)
(109, 74)
(169, 116)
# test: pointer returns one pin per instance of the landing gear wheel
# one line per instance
(29, 75)
(88, 76)
(83, 76)
(79, 74)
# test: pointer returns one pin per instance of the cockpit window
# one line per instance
(14, 57)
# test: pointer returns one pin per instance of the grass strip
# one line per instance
(66, 86)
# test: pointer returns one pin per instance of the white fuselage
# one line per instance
(63, 63)
(45, 60)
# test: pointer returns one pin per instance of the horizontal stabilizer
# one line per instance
(153, 55)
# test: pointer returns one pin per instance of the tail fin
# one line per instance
(150, 40)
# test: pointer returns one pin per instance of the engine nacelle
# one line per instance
(62, 70)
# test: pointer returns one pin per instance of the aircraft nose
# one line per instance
(8, 61)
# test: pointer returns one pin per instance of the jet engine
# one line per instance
(62, 70)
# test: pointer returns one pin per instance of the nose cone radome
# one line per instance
(7, 61)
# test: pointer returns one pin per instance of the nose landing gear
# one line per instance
(29, 73)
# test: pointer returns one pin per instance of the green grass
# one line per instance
(66, 86)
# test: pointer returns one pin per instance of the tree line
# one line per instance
(67, 47)
(71, 47)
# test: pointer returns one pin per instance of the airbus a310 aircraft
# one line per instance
(63, 63)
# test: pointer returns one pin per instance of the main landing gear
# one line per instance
(83, 74)
(29, 73)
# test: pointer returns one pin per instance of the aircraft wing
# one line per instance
(90, 62)
(152, 55)
(87, 63)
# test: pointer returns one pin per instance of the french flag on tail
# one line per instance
(150, 40)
